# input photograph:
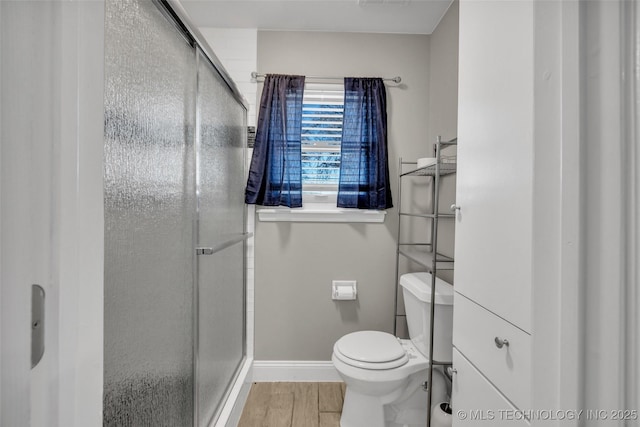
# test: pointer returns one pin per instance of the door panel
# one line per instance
(220, 282)
(149, 205)
(476, 402)
(493, 248)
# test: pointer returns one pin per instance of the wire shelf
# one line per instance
(424, 257)
(445, 169)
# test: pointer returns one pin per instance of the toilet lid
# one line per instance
(372, 350)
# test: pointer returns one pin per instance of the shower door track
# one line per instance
(180, 17)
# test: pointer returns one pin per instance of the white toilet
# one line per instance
(384, 374)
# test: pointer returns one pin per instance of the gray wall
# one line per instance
(442, 121)
(295, 318)
(443, 77)
(443, 111)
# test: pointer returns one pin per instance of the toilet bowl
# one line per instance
(384, 393)
(384, 375)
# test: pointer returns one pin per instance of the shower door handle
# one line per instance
(241, 237)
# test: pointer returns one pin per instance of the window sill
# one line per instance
(319, 213)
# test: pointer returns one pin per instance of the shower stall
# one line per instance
(174, 221)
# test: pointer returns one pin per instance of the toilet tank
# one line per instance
(416, 290)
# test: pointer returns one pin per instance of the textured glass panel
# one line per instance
(221, 317)
(150, 73)
(221, 179)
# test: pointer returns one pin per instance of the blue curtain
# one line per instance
(275, 174)
(364, 167)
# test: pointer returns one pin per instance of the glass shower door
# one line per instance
(221, 136)
(174, 154)
(150, 82)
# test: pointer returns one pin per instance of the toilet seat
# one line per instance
(370, 350)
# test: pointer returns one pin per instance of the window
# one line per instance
(322, 115)
(321, 140)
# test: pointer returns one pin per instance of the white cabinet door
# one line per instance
(480, 338)
(495, 157)
(475, 402)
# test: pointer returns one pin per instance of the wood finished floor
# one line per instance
(293, 405)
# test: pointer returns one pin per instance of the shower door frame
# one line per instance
(201, 55)
(176, 12)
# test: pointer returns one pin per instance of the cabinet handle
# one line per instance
(501, 342)
(454, 208)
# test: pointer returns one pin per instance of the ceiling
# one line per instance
(364, 16)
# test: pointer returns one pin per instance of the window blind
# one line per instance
(322, 116)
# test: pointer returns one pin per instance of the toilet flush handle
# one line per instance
(501, 342)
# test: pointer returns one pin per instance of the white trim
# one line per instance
(320, 214)
(571, 331)
(232, 409)
(295, 371)
(631, 132)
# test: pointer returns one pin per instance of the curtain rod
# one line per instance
(397, 79)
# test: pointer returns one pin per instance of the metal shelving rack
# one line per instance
(426, 254)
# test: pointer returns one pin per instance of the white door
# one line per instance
(26, 202)
(51, 226)
(495, 158)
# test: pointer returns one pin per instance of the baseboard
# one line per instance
(294, 371)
